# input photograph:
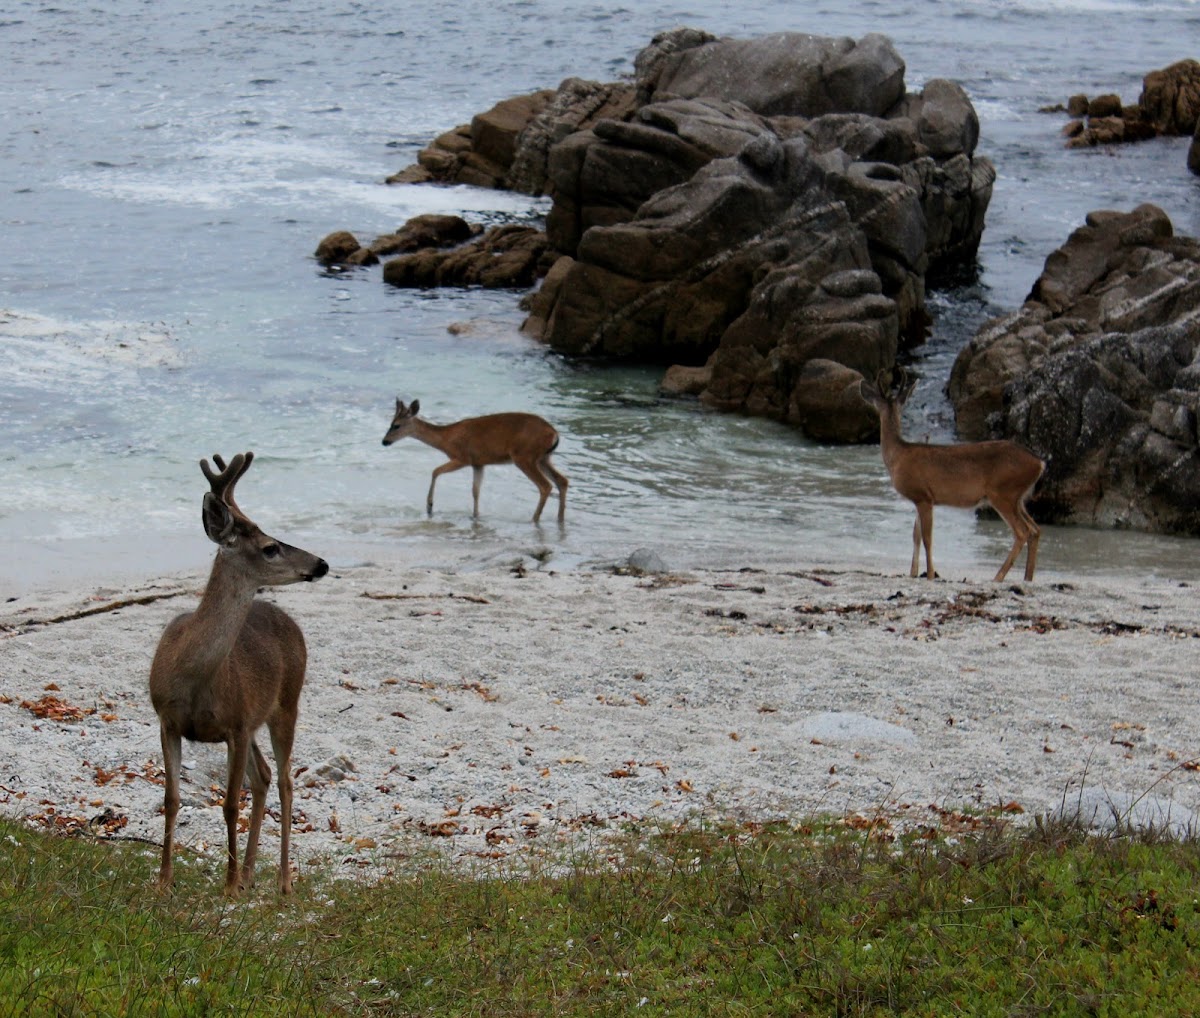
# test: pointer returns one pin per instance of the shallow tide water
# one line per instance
(168, 170)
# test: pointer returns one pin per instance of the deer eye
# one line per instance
(271, 551)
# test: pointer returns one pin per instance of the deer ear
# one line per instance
(414, 408)
(868, 392)
(218, 520)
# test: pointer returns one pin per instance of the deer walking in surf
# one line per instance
(524, 440)
(234, 664)
(999, 472)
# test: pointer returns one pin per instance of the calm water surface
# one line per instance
(166, 170)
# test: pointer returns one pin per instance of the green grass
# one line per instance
(823, 919)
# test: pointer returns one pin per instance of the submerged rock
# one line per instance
(504, 256)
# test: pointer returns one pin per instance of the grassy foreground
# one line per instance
(827, 920)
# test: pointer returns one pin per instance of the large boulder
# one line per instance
(602, 176)
(665, 285)
(752, 258)
(822, 302)
(753, 204)
(787, 73)
(1115, 418)
(1098, 373)
(1170, 98)
(1193, 159)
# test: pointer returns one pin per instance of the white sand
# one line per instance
(490, 714)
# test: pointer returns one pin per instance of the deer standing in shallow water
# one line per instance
(524, 440)
(234, 664)
(999, 472)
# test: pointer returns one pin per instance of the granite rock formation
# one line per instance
(1099, 374)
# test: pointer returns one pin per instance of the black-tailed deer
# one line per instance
(998, 472)
(525, 440)
(231, 666)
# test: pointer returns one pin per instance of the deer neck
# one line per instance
(222, 612)
(890, 439)
(435, 435)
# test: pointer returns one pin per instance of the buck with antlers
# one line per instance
(999, 472)
(525, 440)
(231, 666)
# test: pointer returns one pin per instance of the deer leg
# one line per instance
(260, 781)
(172, 751)
(476, 484)
(531, 470)
(445, 468)
(560, 480)
(237, 752)
(925, 519)
(916, 562)
(1011, 515)
(281, 745)
(1035, 534)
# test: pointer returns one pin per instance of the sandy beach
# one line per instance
(511, 712)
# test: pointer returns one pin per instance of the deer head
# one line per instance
(890, 389)
(265, 560)
(402, 421)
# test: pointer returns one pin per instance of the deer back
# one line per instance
(962, 475)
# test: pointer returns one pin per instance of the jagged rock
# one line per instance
(821, 302)
(1170, 98)
(602, 176)
(575, 106)
(508, 146)
(1193, 159)
(667, 284)
(717, 213)
(504, 256)
(1098, 373)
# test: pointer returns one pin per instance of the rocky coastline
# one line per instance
(762, 217)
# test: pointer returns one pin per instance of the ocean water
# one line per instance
(167, 169)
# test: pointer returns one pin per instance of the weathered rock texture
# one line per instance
(1169, 105)
(508, 146)
(725, 224)
(749, 205)
(787, 74)
(420, 232)
(504, 256)
(1099, 374)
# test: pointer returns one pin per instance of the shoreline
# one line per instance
(494, 715)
